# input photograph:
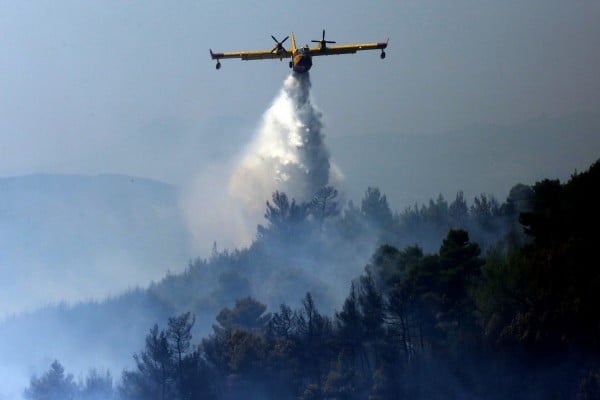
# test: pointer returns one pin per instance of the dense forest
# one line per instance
(458, 301)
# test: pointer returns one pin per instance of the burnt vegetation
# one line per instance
(488, 300)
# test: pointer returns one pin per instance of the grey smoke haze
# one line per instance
(288, 153)
(65, 238)
(100, 87)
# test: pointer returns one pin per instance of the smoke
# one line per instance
(287, 154)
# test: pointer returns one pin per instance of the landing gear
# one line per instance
(382, 54)
(291, 64)
(218, 66)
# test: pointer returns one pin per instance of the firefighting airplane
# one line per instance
(300, 58)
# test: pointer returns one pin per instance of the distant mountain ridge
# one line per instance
(73, 237)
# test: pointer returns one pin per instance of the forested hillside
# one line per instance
(503, 307)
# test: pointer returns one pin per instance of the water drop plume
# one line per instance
(288, 152)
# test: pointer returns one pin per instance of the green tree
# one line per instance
(187, 363)
(372, 317)
(282, 324)
(323, 205)
(314, 333)
(458, 212)
(460, 266)
(246, 352)
(437, 214)
(560, 280)
(179, 335)
(377, 213)
(169, 367)
(499, 293)
(375, 206)
(484, 212)
(195, 379)
(349, 328)
(352, 227)
(403, 315)
(155, 369)
(247, 314)
(97, 386)
(344, 379)
(238, 348)
(287, 220)
(53, 385)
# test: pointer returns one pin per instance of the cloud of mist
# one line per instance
(212, 216)
(288, 154)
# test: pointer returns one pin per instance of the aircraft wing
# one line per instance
(252, 55)
(346, 49)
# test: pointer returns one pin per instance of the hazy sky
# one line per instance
(128, 87)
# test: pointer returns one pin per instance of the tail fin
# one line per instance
(293, 43)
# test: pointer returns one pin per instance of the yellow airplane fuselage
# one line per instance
(301, 62)
(300, 57)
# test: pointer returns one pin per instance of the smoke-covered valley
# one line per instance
(139, 224)
(279, 217)
(66, 238)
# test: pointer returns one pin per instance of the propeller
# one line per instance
(323, 42)
(279, 46)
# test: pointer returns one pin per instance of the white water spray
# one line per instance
(288, 153)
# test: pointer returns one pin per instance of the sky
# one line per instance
(128, 86)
